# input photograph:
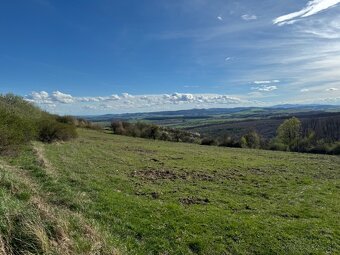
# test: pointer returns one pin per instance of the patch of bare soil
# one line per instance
(140, 151)
(194, 201)
(167, 174)
(154, 195)
(159, 174)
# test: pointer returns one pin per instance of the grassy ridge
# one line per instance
(22, 122)
(30, 223)
(153, 197)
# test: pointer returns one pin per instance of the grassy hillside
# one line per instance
(22, 122)
(120, 195)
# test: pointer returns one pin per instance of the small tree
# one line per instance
(117, 127)
(289, 133)
(251, 140)
(208, 141)
(229, 141)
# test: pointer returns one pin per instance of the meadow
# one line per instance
(108, 194)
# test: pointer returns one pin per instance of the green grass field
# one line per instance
(150, 197)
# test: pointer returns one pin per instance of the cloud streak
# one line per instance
(265, 88)
(313, 7)
(126, 102)
(267, 82)
(249, 17)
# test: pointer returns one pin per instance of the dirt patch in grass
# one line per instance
(154, 195)
(140, 151)
(167, 174)
(257, 171)
(194, 201)
(159, 174)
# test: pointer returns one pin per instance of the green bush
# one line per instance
(51, 130)
(82, 123)
(152, 131)
(251, 140)
(336, 149)
(209, 141)
(278, 145)
(229, 141)
(21, 122)
(14, 130)
(66, 120)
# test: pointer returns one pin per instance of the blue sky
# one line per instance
(106, 56)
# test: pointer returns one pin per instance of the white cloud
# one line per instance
(249, 17)
(220, 18)
(332, 89)
(267, 82)
(41, 97)
(181, 97)
(63, 98)
(265, 88)
(114, 97)
(304, 90)
(126, 102)
(313, 7)
(126, 95)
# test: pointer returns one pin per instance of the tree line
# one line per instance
(290, 136)
(152, 131)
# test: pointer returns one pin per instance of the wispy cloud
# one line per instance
(267, 82)
(332, 89)
(265, 88)
(249, 17)
(220, 18)
(326, 28)
(313, 7)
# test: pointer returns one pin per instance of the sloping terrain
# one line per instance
(325, 125)
(127, 195)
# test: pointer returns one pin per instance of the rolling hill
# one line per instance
(109, 194)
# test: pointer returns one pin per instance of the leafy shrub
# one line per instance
(164, 136)
(152, 131)
(82, 123)
(117, 127)
(21, 122)
(208, 141)
(277, 145)
(51, 130)
(66, 120)
(251, 140)
(335, 150)
(16, 128)
(228, 141)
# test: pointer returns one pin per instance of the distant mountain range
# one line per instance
(214, 112)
